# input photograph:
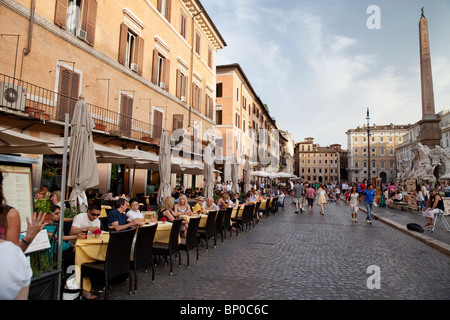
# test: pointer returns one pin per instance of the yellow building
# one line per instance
(240, 116)
(143, 67)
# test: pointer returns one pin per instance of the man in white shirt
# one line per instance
(87, 220)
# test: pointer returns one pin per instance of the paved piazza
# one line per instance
(304, 256)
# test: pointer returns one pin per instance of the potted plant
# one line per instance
(43, 205)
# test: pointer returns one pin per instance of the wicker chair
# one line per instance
(117, 260)
(219, 225)
(227, 225)
(209, 231)
(142, 255)
(190, 242)
(164, 249)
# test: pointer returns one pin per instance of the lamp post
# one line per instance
(368, 146)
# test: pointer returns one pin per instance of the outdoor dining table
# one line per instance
(203, 218)
(103, 211)
(94, 249)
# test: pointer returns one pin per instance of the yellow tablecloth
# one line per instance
(203, 218)
(163, 232)
(103, 211)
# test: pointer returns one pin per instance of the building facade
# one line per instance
(383, 143)
(244, 127)
(144, 67)
(317, 164)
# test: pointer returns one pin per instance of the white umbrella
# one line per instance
(208, 172)
(83, 172)
(15, 142)
(247, 177)
(164, 168)
(234, 175)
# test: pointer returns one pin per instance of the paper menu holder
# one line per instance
(40, 242)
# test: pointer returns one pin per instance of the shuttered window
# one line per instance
(183, 25)
(181, 85)
(77, 17)
(126, 115)
(68, 89)
(157, 124)
(177, 122)
(131, 49)
(209, 107)
(161, 70)
(164, 6)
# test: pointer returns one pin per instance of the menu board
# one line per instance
(17, 190)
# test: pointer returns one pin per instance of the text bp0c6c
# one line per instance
(246, 309)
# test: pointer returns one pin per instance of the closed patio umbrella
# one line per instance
(247, 177)
(83, 172)
(164, 168)
(208, 172)
(234, 175)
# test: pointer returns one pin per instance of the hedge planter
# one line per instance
(45, 286)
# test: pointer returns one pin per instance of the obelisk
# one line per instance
(430, 133)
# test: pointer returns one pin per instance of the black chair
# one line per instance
(268, 207)
(219, 225)
(104, 225)
(117, 262)
(275, 204)
(247, 216)
(227, 225)
(237, 221)
(209, 231)
(107, 203)
(190, 242)
(66, 227)
(256, 213)
(142, 256)
(171, 248)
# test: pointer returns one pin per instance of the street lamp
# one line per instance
(368, 146)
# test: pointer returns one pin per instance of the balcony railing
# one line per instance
(28, 100)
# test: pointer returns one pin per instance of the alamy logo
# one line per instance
(374, 280)
(374, 20)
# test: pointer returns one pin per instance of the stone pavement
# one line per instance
(305, 256)
(438, 239)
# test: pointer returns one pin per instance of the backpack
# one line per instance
(414, 227)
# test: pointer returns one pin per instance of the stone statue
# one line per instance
(423, 169)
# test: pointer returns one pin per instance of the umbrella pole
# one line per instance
(62, 204)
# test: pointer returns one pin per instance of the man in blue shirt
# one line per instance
(117, 217)
(369, 196)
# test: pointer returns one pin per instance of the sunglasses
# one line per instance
(95, 215)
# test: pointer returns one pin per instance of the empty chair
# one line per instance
(227, 225)
(190, 242)
(247, 216)
(171, 248)
(238, 218)
(268, 207)
(117, 260)
(219, 225)
(255, 216)
(209, 231)
(104, 225)
(275, 204)
(142, 255)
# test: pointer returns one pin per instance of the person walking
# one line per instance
(310, 195)
(297, 194)
(353, 200)
(322, 198)
(369, 196)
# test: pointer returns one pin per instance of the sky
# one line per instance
(319, 64)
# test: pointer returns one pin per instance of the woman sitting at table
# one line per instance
(168, 212)
(224, 201)
(249, 197)
(182, 207)
(134, 212)
(198, 208)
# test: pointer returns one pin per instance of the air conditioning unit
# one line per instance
(183, 98)
(134, 67)
(12, 96)
(81, 34)
(162, 85)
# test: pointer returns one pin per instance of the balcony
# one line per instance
(31, 102)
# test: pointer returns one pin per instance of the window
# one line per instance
(196, 98)
(161, 70)
(131, 49)
(209, 107)
(68, 87)
(126, 114)
(177, 122)
(197, 43)
(77, 17)
(164, 7)
(183, 25)
(210, 57)
(181, 86)
(218, 116)
(219, 90)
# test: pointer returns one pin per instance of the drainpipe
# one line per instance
(27, 50)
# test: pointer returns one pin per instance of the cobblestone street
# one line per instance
(302, 256)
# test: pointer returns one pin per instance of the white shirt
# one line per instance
(15, 269)
(81, 221)
(134, 215)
